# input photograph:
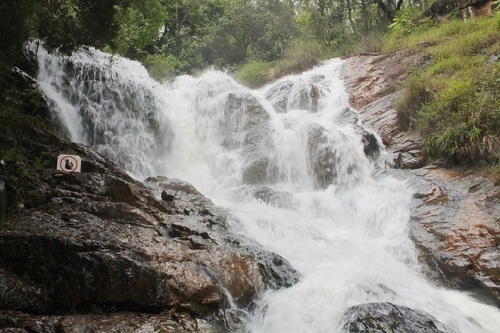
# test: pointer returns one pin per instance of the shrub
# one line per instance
(162, 67)
(255, 73)
(418, 91)
(300, 57)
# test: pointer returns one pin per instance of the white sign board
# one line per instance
(69, 163)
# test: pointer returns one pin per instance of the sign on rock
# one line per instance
(69, 163)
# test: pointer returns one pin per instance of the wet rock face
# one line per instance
(245, 114)
(388, 318)
(274, 271)
(101, 239)
(287, 95)
(455, 227)
(101, 321)
(373, 83)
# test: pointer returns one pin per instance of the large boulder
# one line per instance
(288, 94)
(244, 113)
(80, 241)
(388, 318)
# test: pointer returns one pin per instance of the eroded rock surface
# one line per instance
(373, 82)
(456, 226)
(100, 239)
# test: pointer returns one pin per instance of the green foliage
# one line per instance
(139, 25)
(494, 173)
(404, 22)
(15, 29)
(300, 57)
(19, 107)
(125, 26)
(419, 90)
(252, 31)
(255, 73)
(454, 101)
(162, 67)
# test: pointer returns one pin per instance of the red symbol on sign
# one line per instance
(68, 164)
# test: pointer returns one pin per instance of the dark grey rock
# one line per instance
(389, 318)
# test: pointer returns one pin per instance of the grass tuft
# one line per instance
(454, 100)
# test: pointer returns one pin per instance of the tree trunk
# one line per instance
(389, 13)
(349, 16)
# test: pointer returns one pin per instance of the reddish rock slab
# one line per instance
(456, 227)
(374, 83)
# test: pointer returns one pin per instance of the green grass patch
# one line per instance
(300, 57)
(454, 100)
(162, 68)
(255, 73)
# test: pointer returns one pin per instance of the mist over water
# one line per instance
(332, 211)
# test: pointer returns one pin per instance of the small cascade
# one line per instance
(108, 103)
(291, 160)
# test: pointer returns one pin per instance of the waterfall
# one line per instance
(289, 160)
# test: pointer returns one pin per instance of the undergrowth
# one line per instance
(454, 98)
(22, 108)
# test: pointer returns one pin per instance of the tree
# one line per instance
(16, 20)
(389, 8)
(185, 32)
(68, 24)
(254, 29)
(139, 24)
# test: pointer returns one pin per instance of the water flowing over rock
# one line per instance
(455, 213)
(118, 117)
(288, 95)
(101, 239)
(268, 196)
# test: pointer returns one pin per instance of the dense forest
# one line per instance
(182, 36)
(261, 40)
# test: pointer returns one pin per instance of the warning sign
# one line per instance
(69, 163)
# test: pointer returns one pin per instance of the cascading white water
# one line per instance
(343, 226)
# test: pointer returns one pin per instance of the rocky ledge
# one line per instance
(99, 249)
(455, 213)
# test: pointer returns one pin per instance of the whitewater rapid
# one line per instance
(344, 223)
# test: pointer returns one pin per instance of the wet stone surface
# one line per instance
(388, 318)
(102, 240)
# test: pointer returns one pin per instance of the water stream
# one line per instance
(336, 215)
